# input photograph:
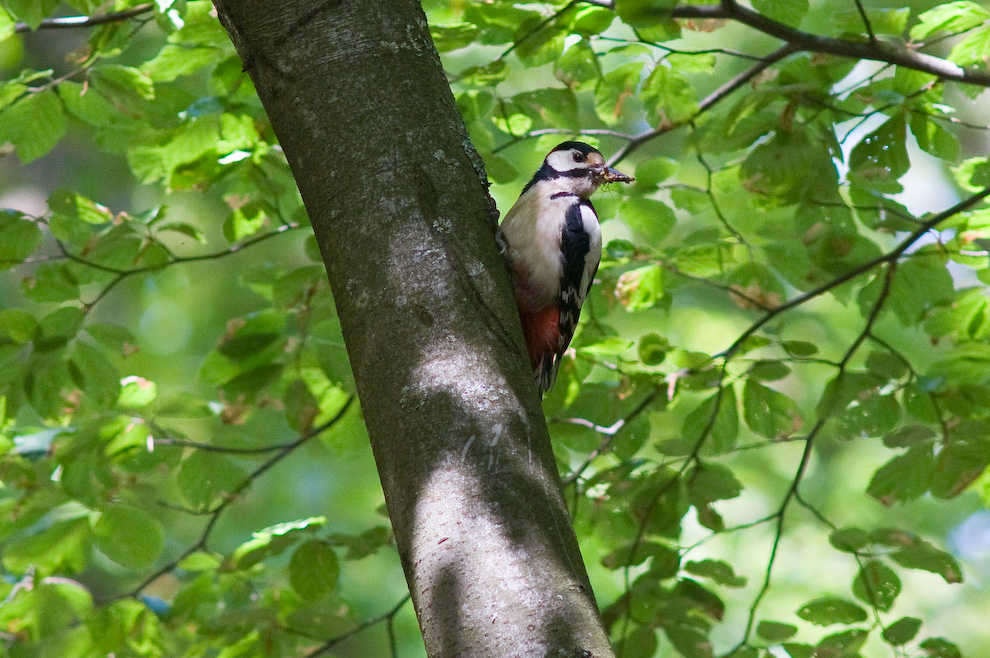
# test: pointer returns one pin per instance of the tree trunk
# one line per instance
(397, 197)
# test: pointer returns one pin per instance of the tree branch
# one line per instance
(875, 50)
(716, 96)
(87, 21)
(217, 511)
(888, 257)
(878, 51)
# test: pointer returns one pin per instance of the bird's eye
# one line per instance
(578, 156)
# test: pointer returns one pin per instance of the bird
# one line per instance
(552, 242)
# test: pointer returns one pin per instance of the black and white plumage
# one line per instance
(553, 244)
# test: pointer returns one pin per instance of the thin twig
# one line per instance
(216, 512)
(716, 96)
(386, 617)
(64, 22)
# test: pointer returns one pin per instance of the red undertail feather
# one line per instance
(542, 333)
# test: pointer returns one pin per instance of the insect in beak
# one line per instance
(611, 175)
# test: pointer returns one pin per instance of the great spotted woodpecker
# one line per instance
(553, 244)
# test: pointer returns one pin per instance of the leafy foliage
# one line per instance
(776, 409)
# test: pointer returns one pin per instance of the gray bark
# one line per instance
(398, 200)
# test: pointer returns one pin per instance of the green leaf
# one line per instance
(608, 346)
(789, 12)
(247, 344)
(62, 547)
(7, 26)
(186, 229)
(849, 540)
(578, 67)
(206, 478)
(31, 12)
(173, 61)
(73, 206)
(939, 647)
(916, 553)
(652, 348)
(365, 544)
(887, 20)
(901, 631)
(692, 62)
(124, 86)
(881, 158)
(650, 173)
(453, 36)
(950, 17)
(273, 541)
(644, 13)
(768, 412)
(709, 482)
(301, 406)
(904, 477)
(925, 271)
(640, 643)
(137, 392)
(641, 288)
(651, 221)
(886, 364)
(972, 49)
(831, 610)
(775, 631)
(95, 375)
(21, 237)
(200, 561)
(589, 21)
(33, 124)
(314, 570)
(541, 47)
(768, 371)
(790, 167)
(847, 388)
(247, 646)
(724, 427)
(877, 585)
(556, 108)
(87, 105)
(614, 89)
(182, 405)
(129, 536)
(200, 26)
(664, 560)
(716, 570)
(844, 643)
(799, 349)
(957, 465)
(499, 169)
(16, 326)
(244, 222)
(797, 650)
(57, 328)
(934, 138)
(909, 435)
(668, 96)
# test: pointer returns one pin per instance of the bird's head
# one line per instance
(581, 168)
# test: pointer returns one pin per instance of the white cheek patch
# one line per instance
(564, 160)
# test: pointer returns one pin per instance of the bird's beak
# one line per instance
(615, 176)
